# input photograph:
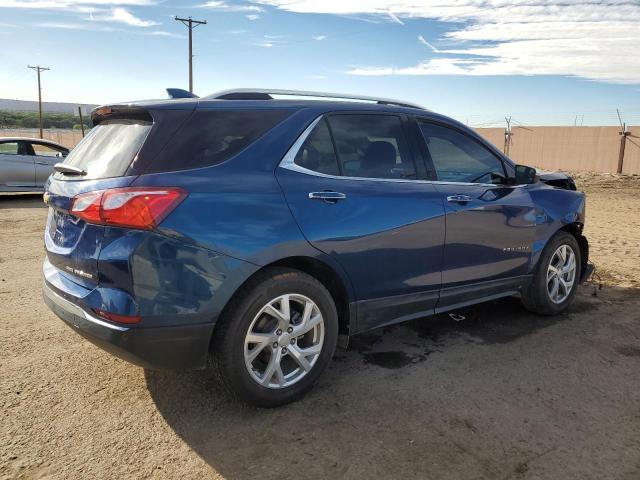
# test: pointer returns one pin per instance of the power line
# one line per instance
(39, 69)
(190, 24)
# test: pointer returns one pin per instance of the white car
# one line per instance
(26, 163)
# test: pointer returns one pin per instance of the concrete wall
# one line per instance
(631, 163)
(594, 149)
(68, 138)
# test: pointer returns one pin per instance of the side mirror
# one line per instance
(525, 175)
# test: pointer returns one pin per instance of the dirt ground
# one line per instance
(501, 395)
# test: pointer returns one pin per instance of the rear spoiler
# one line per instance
(136, 112)
(180, 93)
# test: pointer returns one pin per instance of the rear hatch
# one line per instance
(102, 160)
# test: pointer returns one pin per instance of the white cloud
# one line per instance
(423, 41)
(122, 15)
(394, 18)
(74, 26)
(319, 38)
(264, 44)
(268, 41)
(76, 5)
(162, 33)
(229, 7)
(590, 39)
(253, 16)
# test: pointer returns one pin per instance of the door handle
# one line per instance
(329, 197)
(459, 198)
(41, 163)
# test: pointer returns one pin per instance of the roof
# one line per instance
(264, 98)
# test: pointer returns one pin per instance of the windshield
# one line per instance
(109, 148)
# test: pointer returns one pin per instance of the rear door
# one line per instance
(490, 224)
(352, 185)
(45, 156)
(16, 165)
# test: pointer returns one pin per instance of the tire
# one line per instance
(248, 373)
(538, 297)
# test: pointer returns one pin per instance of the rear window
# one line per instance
(210, 137)
(109, 148)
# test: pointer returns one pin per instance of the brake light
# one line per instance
(134, 207)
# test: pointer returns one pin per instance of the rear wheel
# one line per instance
(556, 278)
(276, 337)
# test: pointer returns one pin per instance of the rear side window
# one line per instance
(43, 150)
(109, 148)
(210, 137)
(317, 152)
(371, 146)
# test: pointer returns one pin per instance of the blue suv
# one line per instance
(255, 233)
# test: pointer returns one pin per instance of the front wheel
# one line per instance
(276, 337)
(555, 281)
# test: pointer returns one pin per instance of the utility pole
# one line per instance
(190, 24)
(39, 69)
(507, 136)
(81, 120)
(623, 140)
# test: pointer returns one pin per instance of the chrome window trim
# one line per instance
(288, 162)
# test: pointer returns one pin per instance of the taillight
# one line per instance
(134, 207)
(114, 317)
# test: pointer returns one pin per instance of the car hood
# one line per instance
(556, 179)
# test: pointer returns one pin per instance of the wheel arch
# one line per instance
(337, 285)
(576, 229)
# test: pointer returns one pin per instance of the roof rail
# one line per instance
(266, 94)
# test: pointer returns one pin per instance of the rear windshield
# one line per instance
(210, 137)
(109, 148)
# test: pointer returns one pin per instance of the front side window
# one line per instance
(9, 148)
(371, 146)
(458, 158)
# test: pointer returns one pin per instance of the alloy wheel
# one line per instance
(284, 341)
(561, 274)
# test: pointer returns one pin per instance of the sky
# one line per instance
(541, 62)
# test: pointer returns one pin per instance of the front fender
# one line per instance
(555, 209)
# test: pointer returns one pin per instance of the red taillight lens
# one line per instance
(135, 207)
(114, 317)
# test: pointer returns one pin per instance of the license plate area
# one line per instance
(64, 229)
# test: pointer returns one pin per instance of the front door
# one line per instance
(44, 158)
(353, 189)
(490, 225)
(16, 165)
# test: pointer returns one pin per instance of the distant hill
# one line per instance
(50, 107)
